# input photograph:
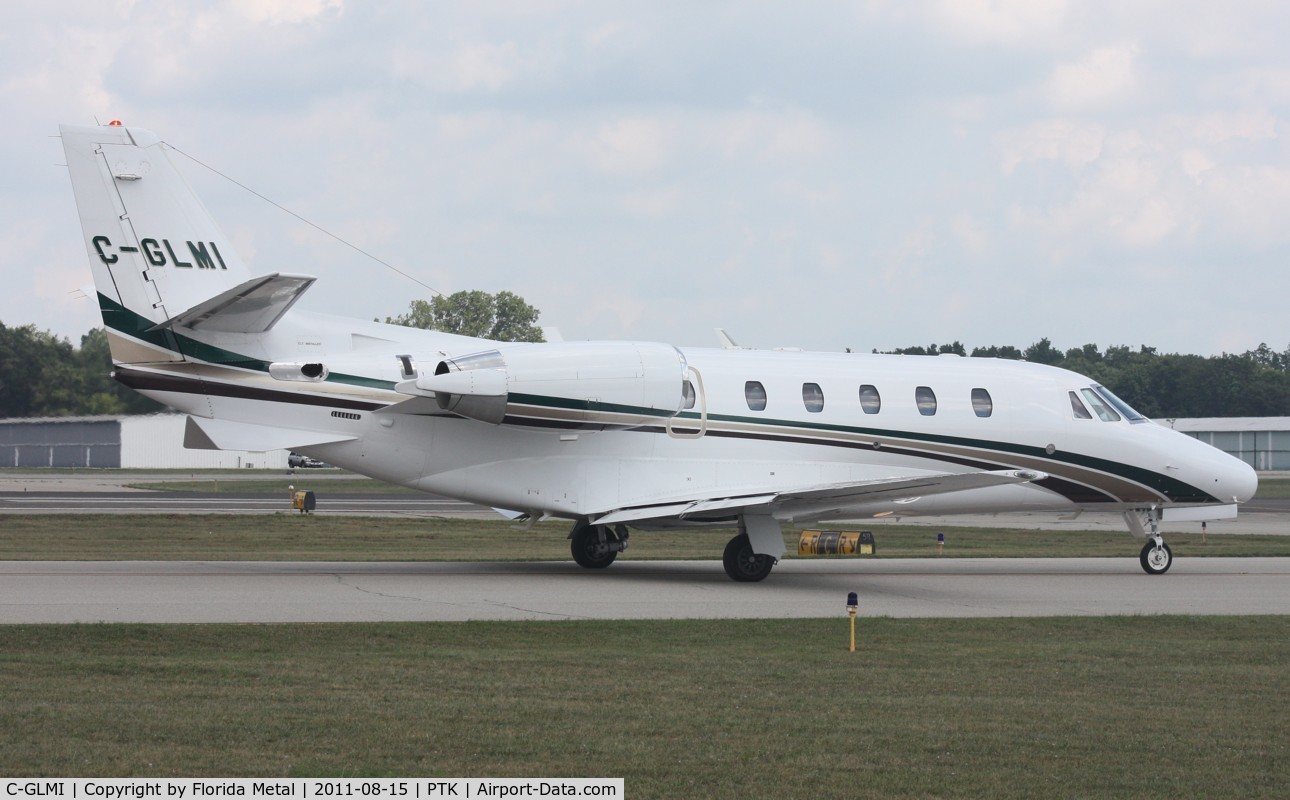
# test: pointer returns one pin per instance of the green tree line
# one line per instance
(43, 375)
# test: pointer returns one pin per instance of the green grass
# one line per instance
(1072, 707)
(1273, 487)
(278, 486)
(296, 537)
(113, 471)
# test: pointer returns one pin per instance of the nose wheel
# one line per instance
(1156, 557)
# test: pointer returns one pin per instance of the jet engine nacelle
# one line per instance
(565, 384)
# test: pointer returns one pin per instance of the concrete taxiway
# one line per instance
(182, 592)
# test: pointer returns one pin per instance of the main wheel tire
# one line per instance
(742, 564)
(589, 551)
(1156, 560)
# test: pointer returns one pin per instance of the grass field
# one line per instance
(1112, 707)
(296, 537)
(329, 484)
(1169, 707)
(1273, 487)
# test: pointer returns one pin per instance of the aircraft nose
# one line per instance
(1239, 482)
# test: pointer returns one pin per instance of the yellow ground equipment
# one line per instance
(836, 543)
(303, 501)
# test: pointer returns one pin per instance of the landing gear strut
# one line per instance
(1156, 557)
(596, 546)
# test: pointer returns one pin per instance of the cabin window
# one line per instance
(870, 400)
(1099, 406)
(755, 394)
(1076, 406)
(687, 392)
(1123, 407)
(813, 397)
(981, 403)
(926, 400)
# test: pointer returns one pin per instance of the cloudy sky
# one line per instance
(818, 174)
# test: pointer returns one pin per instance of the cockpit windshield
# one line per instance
(1100, 406)
(1105, 405)
(1123, 407)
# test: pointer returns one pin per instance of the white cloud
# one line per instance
(1074, 143)
(636, 144)
(1105, 76)
(478, 66)
(1251, 124)
(1249, 204)
(285, 11)
(696, 165)
(971, 234)
(999, 21)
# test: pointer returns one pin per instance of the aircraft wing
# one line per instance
(815, 499)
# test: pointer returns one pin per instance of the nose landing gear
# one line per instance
(1156, 557)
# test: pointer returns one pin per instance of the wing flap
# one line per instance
(784, 503)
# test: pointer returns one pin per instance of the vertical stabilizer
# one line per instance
(154, 249)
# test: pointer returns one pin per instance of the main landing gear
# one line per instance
(744, 565)
(596, 546)
(1156, 557)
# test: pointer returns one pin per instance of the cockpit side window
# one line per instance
(1076, 406)
(1099, 406)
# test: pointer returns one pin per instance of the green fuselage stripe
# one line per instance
(131, 324)
(123, 320)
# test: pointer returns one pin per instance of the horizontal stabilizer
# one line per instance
(221, 434)
(251, 307)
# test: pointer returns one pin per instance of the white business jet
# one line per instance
(609, 435)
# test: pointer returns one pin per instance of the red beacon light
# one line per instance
(116, 123)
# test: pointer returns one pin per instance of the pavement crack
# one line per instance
(538, 612)
(343, 582)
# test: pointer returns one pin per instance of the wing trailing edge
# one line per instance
(787, 503)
